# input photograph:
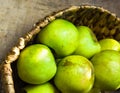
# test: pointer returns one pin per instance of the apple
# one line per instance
(88, 44)
(60, 35)
(40, 88)
(107, 70)
(36, 64)
(109, 44)
(75, 74)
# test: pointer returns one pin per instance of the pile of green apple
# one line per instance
(69, 59)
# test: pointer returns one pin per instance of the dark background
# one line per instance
(18, 16)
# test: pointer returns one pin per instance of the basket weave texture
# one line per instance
(104, 24)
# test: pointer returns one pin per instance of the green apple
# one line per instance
(36, 64)
(75, 74)
(107, 69)
(40, 88)
(109, 44)
(60, 35)
(88, 44)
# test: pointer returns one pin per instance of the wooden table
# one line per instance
(18, 16)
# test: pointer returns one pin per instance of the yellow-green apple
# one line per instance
(75, 74)
(88, 44)
(109, 44)
(40, 88)
(107, 69)
(36, 64)
(60, 35)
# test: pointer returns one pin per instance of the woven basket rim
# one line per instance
(6, 71)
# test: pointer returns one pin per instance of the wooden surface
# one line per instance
(18, 16)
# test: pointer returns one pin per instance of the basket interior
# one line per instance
(103, 23)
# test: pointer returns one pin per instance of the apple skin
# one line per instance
(109, 44)
(75, 74)
(60, 35)
(107, 70)
(36, 64)
(40, 88)
(88, 44)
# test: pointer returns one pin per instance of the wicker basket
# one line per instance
(102, 22)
